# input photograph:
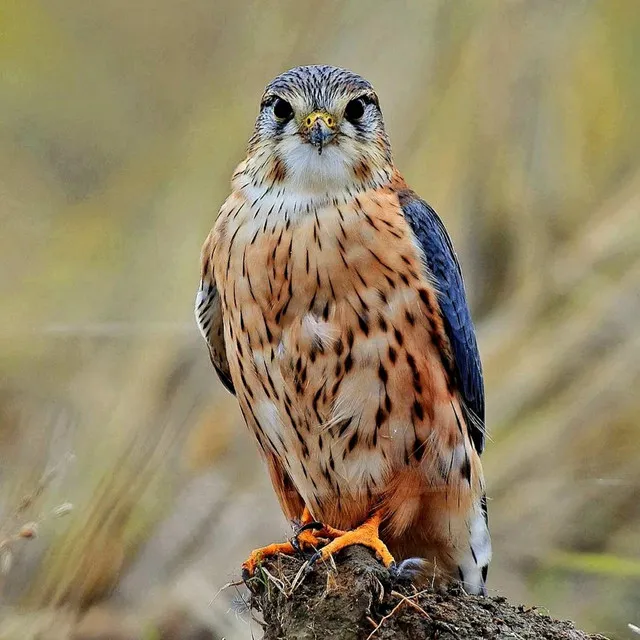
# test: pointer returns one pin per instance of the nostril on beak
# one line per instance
(320, 128)
(319, 116)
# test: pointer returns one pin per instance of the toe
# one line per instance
(357, 537)
(257, 555)
(249, 567)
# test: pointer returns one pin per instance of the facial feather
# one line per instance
(280, 156)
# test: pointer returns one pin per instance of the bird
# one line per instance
(333, 307)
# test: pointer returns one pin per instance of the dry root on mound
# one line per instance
(357, 599)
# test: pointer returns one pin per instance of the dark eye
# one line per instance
(282, 109)
(354, 110)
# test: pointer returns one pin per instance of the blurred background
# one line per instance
(120, 125)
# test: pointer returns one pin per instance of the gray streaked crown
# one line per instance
(320, 84)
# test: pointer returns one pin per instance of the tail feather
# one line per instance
(474, 566)
(468, 563)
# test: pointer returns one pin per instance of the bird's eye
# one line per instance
(354, 110)
(282, 109)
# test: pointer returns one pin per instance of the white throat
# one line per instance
(312, 180)
(311, 172)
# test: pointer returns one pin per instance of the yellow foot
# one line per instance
(258, 555)
(310, 536)
(366, 535)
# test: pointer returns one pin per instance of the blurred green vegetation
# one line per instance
(120, 125)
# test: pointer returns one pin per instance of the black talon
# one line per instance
(312, 561)
(316, 526)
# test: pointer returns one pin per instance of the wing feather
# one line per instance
(208, 311)
(444, 270)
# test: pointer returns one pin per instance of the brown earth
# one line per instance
(359, 600)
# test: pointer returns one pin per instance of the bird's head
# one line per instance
(319, 130)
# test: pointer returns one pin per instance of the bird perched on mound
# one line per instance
(333, 306)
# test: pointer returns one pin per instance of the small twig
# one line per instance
(224, 587)
(409, 601)
(43, 483)
(298, 578)
(385, 618)
(28, 531)
(278, 583)
(403, 600)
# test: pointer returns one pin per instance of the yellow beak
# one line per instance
(320, 128)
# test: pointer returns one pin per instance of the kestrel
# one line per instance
(333, 306)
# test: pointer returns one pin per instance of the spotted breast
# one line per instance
(342, 367)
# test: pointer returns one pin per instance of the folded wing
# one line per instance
(444, 271)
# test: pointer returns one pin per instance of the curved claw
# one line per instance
(309, 540)
(312, 561)
(315, 526)
(312, 535)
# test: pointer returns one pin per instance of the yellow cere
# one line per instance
(327, 118)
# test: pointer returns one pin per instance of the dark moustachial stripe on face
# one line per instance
(278, 171)
(362, 171)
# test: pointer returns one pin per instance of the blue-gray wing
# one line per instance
(447, 277)
(209, 318)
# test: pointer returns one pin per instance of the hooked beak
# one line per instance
(320, 128)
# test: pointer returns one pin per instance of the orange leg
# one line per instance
(309, 536)
(366, 535)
